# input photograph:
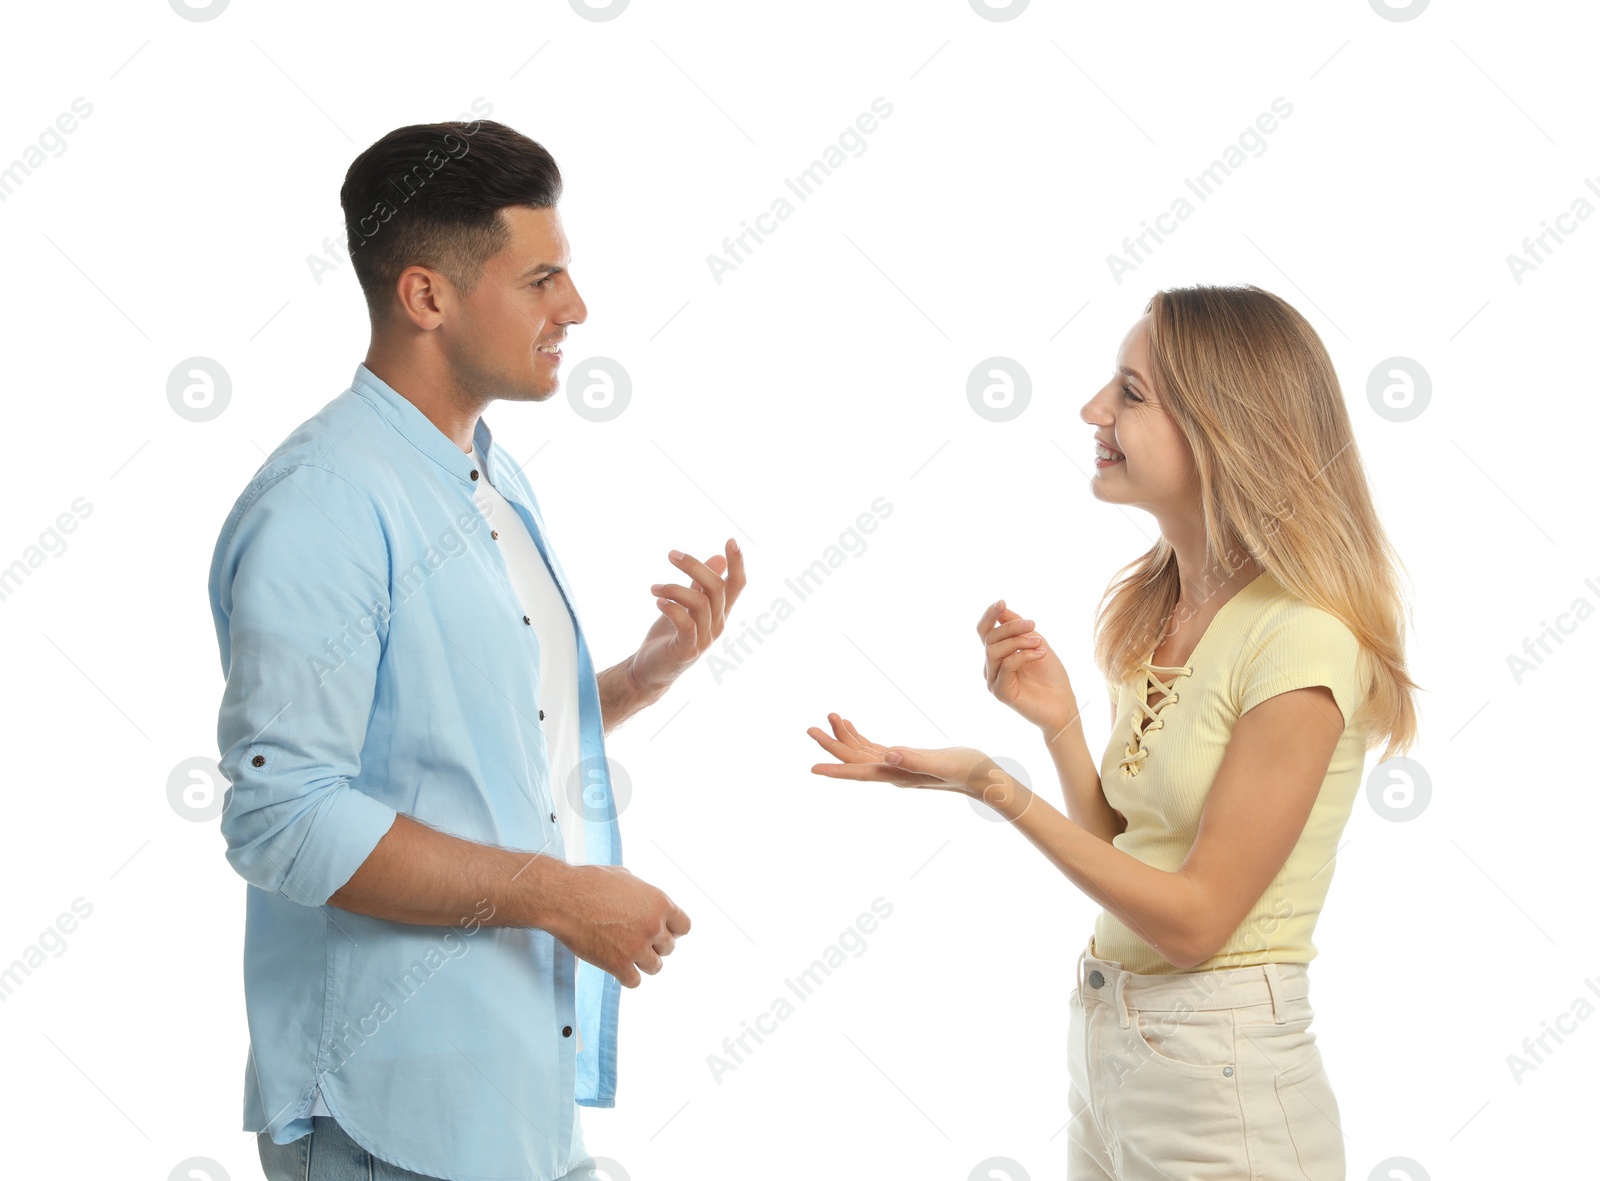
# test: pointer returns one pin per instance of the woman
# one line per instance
(1253, 655)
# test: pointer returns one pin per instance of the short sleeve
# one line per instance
(1297, 647)
(301, 595)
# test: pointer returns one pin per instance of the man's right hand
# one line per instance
(615, 921)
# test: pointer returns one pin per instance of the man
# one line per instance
(437, 925)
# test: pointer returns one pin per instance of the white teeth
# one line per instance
(1102, 452)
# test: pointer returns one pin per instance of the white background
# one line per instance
(828, 370)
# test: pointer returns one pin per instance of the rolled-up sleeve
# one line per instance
(301, 601)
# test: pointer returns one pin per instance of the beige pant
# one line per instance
(1198, 1076)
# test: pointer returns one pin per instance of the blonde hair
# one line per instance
(1251, 388)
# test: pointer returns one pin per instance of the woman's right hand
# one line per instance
(1022, 671)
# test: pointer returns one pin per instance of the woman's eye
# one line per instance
(1129, 395)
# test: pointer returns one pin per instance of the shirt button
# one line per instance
(566, 1031)
(552, 818)
(1096, 979)
(259, 760)
(474, 473)
(541, 715)
(495, 533)
(526, 620)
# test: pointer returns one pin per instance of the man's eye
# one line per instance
(543, 281)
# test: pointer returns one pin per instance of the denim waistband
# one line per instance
(1109, 982)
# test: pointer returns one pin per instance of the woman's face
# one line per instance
(1154, 469)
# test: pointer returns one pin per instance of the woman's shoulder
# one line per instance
(1279, 610)
(1265, 610)
(1289, 642)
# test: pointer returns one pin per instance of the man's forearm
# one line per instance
(417, 874)
(620, 695)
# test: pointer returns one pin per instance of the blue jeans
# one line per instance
(328, 1154)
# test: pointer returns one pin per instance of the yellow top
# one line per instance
(1164, 756)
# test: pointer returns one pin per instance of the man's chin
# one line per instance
(540, 392)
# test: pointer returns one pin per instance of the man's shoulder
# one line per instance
(347, 436)
(339, 449)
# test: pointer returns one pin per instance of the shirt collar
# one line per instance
(419, 430)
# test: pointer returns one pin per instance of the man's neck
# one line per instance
(425, 382)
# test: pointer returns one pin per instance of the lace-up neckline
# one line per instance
(1147, 717)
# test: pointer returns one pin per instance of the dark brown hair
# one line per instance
(431, 194)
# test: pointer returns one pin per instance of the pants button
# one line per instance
(1227, 1072)
(1096, 979)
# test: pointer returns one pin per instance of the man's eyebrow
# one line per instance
(542, 266)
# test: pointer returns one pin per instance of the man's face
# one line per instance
(520, 310)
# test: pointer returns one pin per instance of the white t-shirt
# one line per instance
(543, 603)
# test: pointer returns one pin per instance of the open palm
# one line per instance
(953, 768)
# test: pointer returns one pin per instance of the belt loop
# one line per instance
(1275, 988)
(1122, 1002)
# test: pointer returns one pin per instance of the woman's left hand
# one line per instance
(951, 768)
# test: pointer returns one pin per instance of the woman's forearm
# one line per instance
(1080, 779)
(1160, 907)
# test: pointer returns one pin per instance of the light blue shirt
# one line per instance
(377, 661)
